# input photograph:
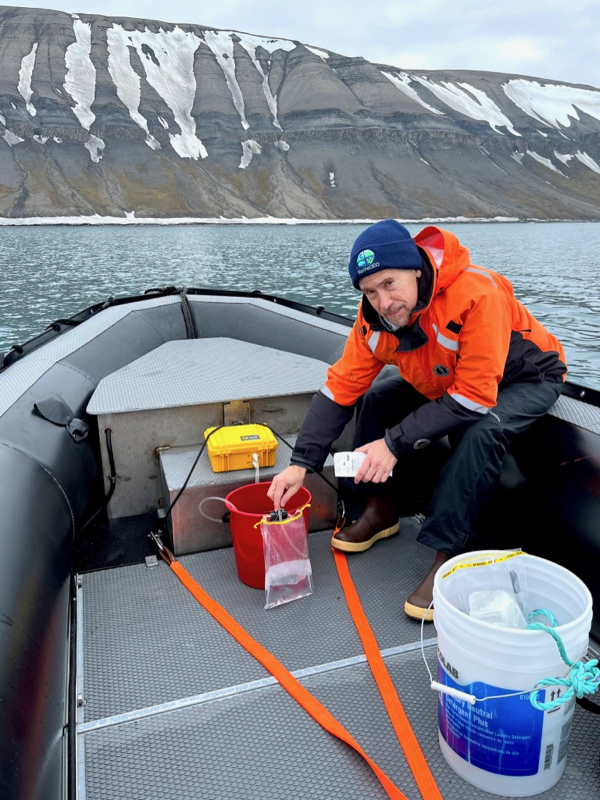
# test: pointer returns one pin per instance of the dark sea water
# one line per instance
(54, 271)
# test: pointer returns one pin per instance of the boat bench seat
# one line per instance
(158, 407)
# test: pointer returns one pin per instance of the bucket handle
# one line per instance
(295, 515)
(440, 687)
(225, 517)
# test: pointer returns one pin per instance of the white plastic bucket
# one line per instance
(506, 746)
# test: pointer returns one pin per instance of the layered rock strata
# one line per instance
(116, 116)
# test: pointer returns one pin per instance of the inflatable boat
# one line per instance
(113, 682)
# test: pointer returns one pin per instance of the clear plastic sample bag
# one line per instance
(288, 573)
(494, 589)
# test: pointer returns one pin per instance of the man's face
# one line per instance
(393, 293)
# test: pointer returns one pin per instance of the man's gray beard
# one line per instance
(388, 324)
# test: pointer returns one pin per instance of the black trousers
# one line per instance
(473, 469)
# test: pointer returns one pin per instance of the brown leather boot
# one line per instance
(417, 605)
(378, 521)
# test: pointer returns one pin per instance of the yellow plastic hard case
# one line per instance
(232, 446)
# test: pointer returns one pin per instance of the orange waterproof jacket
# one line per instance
(467, 335)
(471, 322)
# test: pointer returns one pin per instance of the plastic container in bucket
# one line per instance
(248, 505)
(505, 745)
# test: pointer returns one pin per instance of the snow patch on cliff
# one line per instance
(221, 45)
(24, 85)
(545, 161)
(553, 104)
(80, 79)
(11, 138)
(588, 161)
(127, 81)
(249, 148)
(321, 53)
(270, 45)
(95, 145)
(250, 47)
(402, 82)
(168, 60)
(471, 102)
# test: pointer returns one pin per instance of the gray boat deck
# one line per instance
(175, 709)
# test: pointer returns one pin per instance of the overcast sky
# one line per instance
(552, 39)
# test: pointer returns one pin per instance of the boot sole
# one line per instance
(416, 612)
(359, 547)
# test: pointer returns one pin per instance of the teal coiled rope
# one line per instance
(584, 679)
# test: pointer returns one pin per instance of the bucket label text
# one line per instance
(502, 736)
(447, 666)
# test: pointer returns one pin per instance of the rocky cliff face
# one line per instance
(111, 116)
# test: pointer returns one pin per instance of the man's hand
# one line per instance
(378, 464)
(285, 485)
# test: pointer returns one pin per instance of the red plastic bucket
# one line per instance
(248, 505)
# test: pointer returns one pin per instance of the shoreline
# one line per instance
(131, 219)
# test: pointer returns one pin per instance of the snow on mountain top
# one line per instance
(553, 104)
(402, 81)
(471, 102)
(270, 45)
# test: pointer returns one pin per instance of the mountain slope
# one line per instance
(111, 116)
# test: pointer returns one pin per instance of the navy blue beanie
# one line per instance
(384, 245)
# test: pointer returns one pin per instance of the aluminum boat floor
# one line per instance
(232, 732)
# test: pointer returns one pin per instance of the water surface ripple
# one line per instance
(54, 271)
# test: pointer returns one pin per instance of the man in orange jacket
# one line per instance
(473, 364)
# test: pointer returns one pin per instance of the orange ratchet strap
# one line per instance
(406, 736)
(294, 688)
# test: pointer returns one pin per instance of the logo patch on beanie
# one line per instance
(365, 258)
